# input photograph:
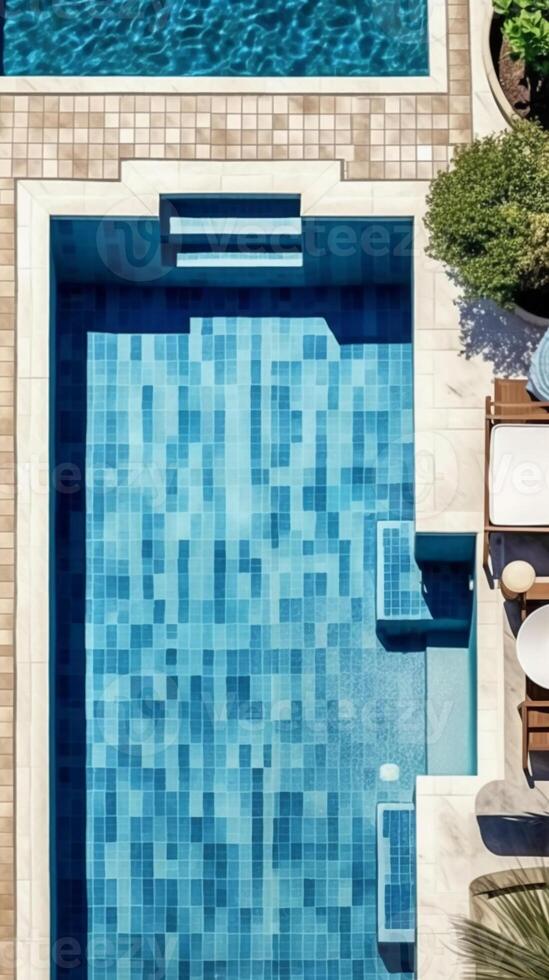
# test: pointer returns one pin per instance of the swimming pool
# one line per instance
(229, 716)
(213, 37)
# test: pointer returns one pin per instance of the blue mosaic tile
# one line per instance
(237, 706)
(397, 873)
(430, 592)
(400, 593)
(371, 314)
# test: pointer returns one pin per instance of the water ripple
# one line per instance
(216, 37)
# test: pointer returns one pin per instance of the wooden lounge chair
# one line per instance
(511, 404)
(511, 399)
(539, 592)
(535, 723)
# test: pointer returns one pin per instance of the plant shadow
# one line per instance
(498, 336)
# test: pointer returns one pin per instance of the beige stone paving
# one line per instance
(86, 136)
(7, 574)
(376, 137)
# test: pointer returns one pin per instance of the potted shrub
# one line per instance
(488, 219)
(519, 49)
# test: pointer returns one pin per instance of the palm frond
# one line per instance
(492, 956)
(516, 947)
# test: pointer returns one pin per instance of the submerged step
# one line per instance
(237, 231)
(248, 226)
(430, 595)
(396, 873)
(240, 260)
(229, 205)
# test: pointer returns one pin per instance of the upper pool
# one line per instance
(216, 37)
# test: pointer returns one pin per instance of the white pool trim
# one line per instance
(448, 436)
(436, 81)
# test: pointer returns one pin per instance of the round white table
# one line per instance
(533, 646)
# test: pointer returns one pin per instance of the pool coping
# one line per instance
(448, 460)
(434, 82)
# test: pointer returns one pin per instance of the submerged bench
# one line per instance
(424, 581)
(396, 873)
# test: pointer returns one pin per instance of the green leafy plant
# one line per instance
(526, 27)
(516, 946)
(488, 217)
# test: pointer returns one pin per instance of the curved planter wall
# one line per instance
(503, 104)
(532, 319)
(510, 116)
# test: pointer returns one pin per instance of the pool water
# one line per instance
(216, 37)
(235, 738)
(237, 698)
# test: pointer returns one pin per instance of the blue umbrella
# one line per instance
(538, 377)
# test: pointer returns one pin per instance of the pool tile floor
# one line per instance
(237, 701)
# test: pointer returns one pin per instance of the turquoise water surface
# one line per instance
(216, 37)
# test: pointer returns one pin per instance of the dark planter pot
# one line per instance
(532, 319)
(507, 77)
(533, 307)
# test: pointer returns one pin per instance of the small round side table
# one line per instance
(517, 578)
